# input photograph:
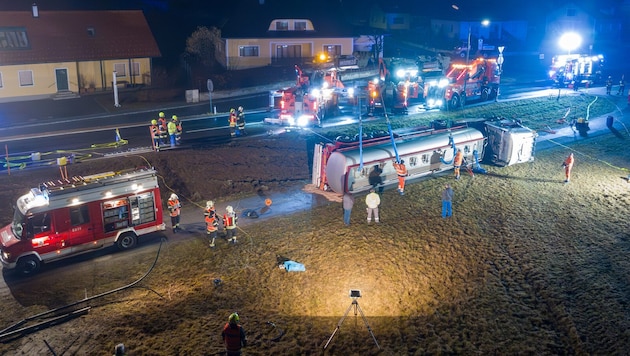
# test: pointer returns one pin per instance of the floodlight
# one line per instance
(355, 293)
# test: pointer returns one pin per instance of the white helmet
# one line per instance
(229, 209)
(173, 197)
(209, 204)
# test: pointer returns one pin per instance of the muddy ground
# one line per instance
(527, 265)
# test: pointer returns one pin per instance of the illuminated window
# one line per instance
(120, 69)
(248, 51)
(26, 78)
(332, 50)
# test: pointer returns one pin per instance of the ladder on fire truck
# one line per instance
(76, 183)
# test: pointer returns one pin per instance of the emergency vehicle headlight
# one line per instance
(400, 73)
(595, 58)
(291, 120)
(315, 92)
(442, 83)
(350, 91)
(552, 73)
(6, 255)
(303, 120)
(375, 80)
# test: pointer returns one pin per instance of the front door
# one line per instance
(62, 79)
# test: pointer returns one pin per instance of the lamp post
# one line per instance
(484, 23)
(569, 41)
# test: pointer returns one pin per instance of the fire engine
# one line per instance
(309, 100)
(351, 166)
(478, 80)
(568, 68)
(396, 85)
(60, 219)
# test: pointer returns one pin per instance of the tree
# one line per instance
(377, 38)
(204, 45)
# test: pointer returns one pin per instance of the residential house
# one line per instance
(43, 53)
(282, 40)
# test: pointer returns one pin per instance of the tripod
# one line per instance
(356, 306)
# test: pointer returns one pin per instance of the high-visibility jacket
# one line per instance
(174, 207)
(155, 131)
(233, 119)
(401, 169)
(212, 223)
(234, 337)
(172, 128)
(568, 163)
(162, 123)
(229, 220)
(459, 159)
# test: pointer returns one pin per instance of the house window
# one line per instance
(26, 78)
(332, 50)
(120, 69)
(300, 25)
(282, 25)
(12, 38)
(248, 51)
(135, 69)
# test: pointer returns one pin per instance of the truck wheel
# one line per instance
(484, 94)
(454, 103)
(28, 265)
(127, 241)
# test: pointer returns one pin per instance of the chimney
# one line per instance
(35, 11)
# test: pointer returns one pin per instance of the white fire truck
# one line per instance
(73, 216)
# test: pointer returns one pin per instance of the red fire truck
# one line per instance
(479, 80)
(567, 69)
(396, 85)
(65, 218)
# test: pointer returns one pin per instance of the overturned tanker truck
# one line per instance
(354, 166)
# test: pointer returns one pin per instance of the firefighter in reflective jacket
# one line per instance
(178, 127)
(172, 131)
(233, 336)
(401, 171)
(162, 127)
(457, 162)
(233, 118)
(229, 223)
(568, 165)
(155, 134)
(212, 222)
(174, 208)
(240, 121)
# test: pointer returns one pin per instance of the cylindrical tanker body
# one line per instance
(422, 155)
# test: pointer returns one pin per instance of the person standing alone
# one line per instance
(457, 162)
(233, 336)
(447, 201)
(348, 203)
(212, 222)
(174, 208)
(568, 165)
(401, 171)
(372, 201)
(229, 223)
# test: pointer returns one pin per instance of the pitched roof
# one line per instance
(57, 36)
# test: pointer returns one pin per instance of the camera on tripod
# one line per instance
(355, 293)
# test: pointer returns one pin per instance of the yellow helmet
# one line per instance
(240, 108)
(232, 110)
(161, 114)
(153, 122)
(234, 318)
(174, 117)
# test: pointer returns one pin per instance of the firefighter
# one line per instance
(162, 127)
(232, 120)
(568, 165)
(155, 134)
(175, 209)
(178, 133)
(233, 336)
(622, 86)
(229, 223)
(401, 171)
(212, 222)
(457, 162)
(608, 85)
(240, 121)
(172, 131)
